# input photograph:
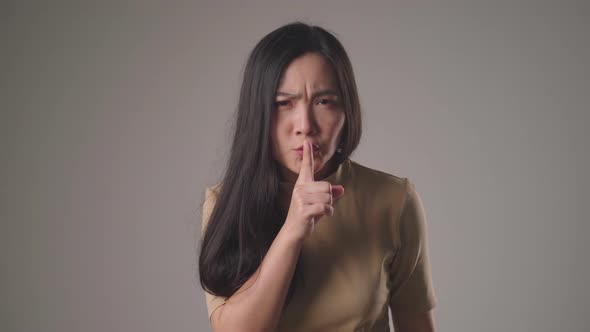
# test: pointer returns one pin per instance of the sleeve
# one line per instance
(213, 301)
(410, 275)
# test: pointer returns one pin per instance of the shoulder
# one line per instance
(377, 181)
(378, 190)
(213, 189)
(364, 170)
(385, 196)
(211, 193)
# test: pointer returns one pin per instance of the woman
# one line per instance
(297, 236)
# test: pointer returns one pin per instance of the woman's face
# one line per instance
(307, 106)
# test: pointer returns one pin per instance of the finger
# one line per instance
(317, 187)
(306, 171)
(319, 210)
(318, 198)
(337, 191)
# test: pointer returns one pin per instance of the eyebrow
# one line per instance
(314, 95)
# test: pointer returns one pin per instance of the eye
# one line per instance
(324, 101)
(282, 103)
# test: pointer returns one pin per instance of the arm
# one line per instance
(257, 305)
(413, 297)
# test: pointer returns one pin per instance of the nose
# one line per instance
(305, 123)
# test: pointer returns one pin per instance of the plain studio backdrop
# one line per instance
(116, 116)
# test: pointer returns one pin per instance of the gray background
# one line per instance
(115, 116)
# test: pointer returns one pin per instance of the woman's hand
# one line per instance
(311, 199)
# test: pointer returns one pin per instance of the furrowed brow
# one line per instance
(324, 92)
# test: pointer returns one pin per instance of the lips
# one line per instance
(316, 151)
(315, 147)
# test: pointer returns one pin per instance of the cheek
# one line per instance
(332, 125)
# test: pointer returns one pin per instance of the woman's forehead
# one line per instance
(311, 72)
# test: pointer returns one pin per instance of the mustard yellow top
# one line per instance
(371, 254)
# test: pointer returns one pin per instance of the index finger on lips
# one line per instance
(306, 170)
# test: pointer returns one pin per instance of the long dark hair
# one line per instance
(247, 215)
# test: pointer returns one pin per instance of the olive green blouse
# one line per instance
(370, 255)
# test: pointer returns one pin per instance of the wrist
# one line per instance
(293, 233)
